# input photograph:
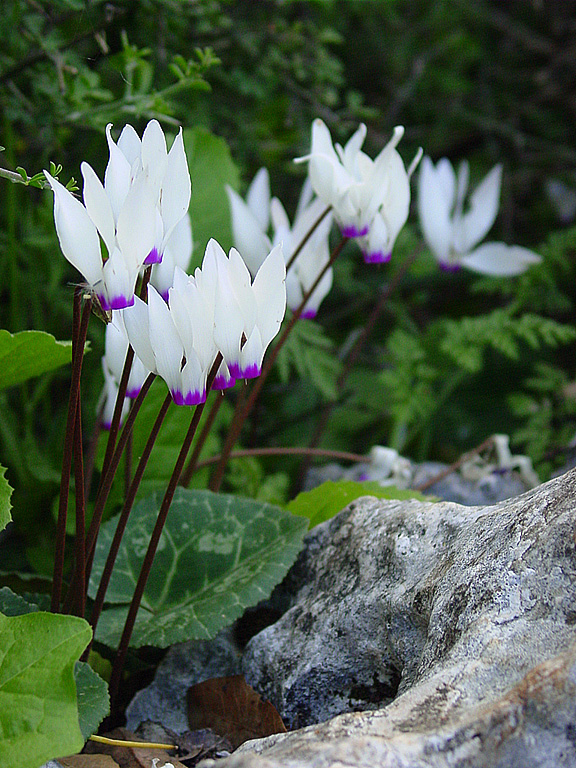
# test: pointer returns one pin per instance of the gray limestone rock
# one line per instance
(455, 627)
(185, 664)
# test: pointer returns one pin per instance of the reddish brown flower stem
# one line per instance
(307, 236)
(80, 509)
(123, 519)
(118, 665)
(287, 451)
(192, 465)
(241, 415)
(104, 490)
(80, 321)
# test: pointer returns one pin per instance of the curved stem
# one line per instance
(241, 416)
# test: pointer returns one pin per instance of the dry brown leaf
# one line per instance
(233, 709)
(88, 761)
(131, 757)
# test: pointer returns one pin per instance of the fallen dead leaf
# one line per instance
(130, 757)
(233, 709)
(88, 761)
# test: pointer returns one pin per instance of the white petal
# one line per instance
(98, 206)
(258, 198)
(477, 222)
(500, 260)
(138, 330)
(154, 154)
(251, 356)
(120, 279)
(176, 187)
(434, 210)
(249, 237)
(130, 145)
(165, 341)
(117, 177)
(115, 346)
(136, 229)
(269, 290)
(241, 283)
(76, 232)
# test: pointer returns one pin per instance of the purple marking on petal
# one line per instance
(235, 370)
(165, 295)
(121, 302)
(376, 257)
(308, 314)
(195, 398)
(352, 231)
(133, 392)
(363, 476)
(104, 302)
(220, 382)
(250, 372)
(154, 257)
(446, 267)
(107, 425)
(178, 397)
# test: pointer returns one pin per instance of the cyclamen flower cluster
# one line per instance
(453, 233)
(370, 198)
(218, 309)
(250, 223)
(136, 212)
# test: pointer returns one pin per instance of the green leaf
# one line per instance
(12, 604)
(311, 353)
(38, 709)
(92, 697)
(328, 499)
(218, 554)
(5, 494)
(211, 168)
(30, 353)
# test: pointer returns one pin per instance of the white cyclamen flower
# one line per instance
(358, 188)
(177, 254)
(218, 309)
(252, 240)
(145, 194)
(453, 232)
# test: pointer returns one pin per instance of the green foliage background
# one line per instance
(453, 358)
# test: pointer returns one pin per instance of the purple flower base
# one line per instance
(190, 398)
(221, 382)
(117, 302)
(308, 314)
(451, 268)
(133, 392)
(154, 257)
(376, 257)
(250, 372)
(353, 231)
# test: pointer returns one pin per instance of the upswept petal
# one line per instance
(130, 145)
(137, 325)
(136, 228)
(500, 260)
(249, 237)
(166, 343)
(478, 220)
(434, 209)
(118, 175)
(98, 206)
(251, 356)
(193, 378)
(176, 187)
(258, 198)
(154, 154)
(242, 286)
(115, 346)
(445, 180)
(228, 318)
(76, 232)
(269, 290)
(107, 401)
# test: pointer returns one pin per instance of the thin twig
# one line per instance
(287, 451)
(488, 443)
(307, 236)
